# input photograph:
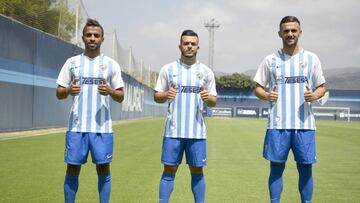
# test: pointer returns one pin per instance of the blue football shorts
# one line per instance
(173, 150)
(79, 144)
(278, 143)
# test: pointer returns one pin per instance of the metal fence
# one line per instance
(67, 20)
(30, 61)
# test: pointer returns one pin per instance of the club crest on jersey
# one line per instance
(102, 66)
(303, 64)
(199, 74)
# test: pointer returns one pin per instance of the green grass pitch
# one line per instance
(32, 168)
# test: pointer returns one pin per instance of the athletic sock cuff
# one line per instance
(168, 177)
(197, 175)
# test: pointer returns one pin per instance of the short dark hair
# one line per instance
(95, 23)
(289, 19)
(188, 33)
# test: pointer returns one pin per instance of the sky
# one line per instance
(247, 33)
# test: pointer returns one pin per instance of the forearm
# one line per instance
(62, 92)
(211, 102)
(319, 91)
(261, 93)
(117, 95)
(160, 97)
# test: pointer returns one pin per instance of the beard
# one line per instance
(187, 55)
(97, 48)
(92, 47)
(290, 42)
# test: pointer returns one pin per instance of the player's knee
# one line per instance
(304, 167)
(170, 169)
(73, 169)
(196, 170)
(103, 168)
(277, 164)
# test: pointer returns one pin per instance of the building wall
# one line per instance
(30, 62)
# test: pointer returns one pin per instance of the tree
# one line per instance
(235, 80)
(66, 21)
(46, 15)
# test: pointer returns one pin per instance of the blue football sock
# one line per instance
(276, 181)
(306, 182)
(198, 187)
(71, 185)
(166, 187)
(104, 187)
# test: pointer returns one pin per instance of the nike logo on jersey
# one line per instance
(108, 156)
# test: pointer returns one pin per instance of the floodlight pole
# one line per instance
(77, 23)
(210, 26)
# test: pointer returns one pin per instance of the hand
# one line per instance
(172, 92)
(273, 95)
(104, 88)
(204, 94)
(309, 95)
(74, 88)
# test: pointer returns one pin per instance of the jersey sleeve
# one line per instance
(262, 75)
(211, 84)
(64, 77)
(318, 76)
(162, 81)
(116, 81)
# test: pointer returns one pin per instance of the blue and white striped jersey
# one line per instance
(184, 118)
(90, 110)
(290, 76)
